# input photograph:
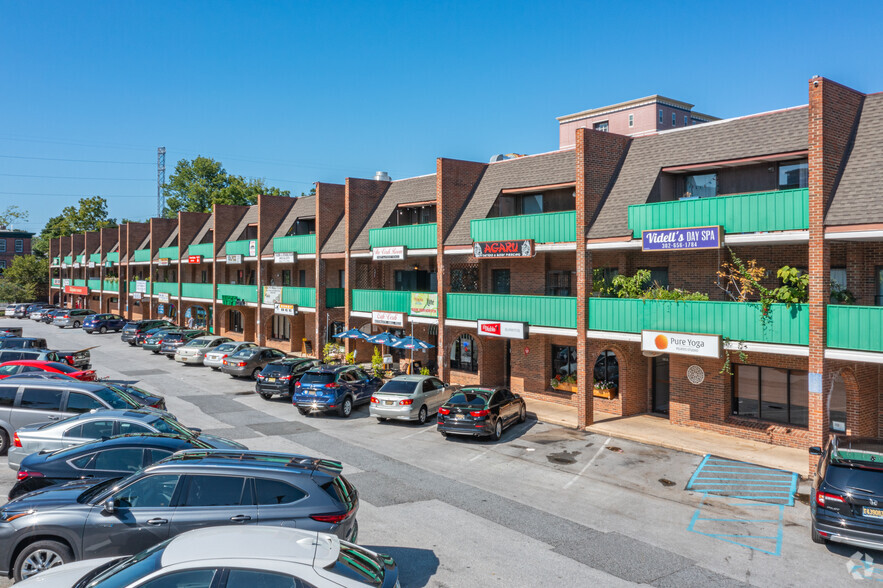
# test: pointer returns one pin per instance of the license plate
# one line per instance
(388, 402)
(874, 513)
(271, 380)
(310, 392)
(458, 417)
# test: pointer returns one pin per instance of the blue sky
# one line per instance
(298, 92)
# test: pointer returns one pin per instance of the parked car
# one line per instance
(13, 368)
(334, 387)
(194, 350)
(215, 359)
(132, 329)
(72, 318)
(410, 398)
(481, 412)
(10, 331)
(37, 313)
(154, 342)
(143, 397)
(93, 519)
(264, 558)
(173, 340)
(846, 499)
(281, 376)
(9, 310)
(248, 363)
(35, 354)
(114, 457)
(103, 323)
(21, 310)
(23, 343)
(142, 337)
(50, 315)
(89, 426)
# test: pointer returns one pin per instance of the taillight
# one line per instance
(406, 402)
(331, 385)
(479, 413)
(225, 355)
(66, 316)
(288, 378)
(22, 474)
(444, 411)
(15, 440)
(297, 384)
(240, 364)
(374, 400)
(826, 500)
(331, 518)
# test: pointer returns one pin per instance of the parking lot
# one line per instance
(545, 506)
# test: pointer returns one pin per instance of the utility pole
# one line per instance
(160, 179)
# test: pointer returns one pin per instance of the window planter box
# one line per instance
(566, 388)
(608, 393)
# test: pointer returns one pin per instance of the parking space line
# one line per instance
(420, 432)
(480, 455)
(591, 461)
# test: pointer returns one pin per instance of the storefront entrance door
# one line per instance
(660, 384)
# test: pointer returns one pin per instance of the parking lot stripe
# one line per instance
(420, 432)
(591, 461)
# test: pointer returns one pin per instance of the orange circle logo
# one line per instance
(661, 341)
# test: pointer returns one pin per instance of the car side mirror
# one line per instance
(815, 450)
(110, 506)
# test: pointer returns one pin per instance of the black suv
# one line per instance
(847, 492)
(132, 330)
(280, 377)
(189, 490)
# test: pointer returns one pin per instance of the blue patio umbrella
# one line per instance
(384, 339)
(352, 334)
(411, 343)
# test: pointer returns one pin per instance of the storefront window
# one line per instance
(558, 283)
(700, 186)
(837, 405)
(464, 356)
(607, 368)
(281, 328)
(563, 361)
(464, 278)
(771, 394)
(235, 321)
(286, 277)
(793, 175)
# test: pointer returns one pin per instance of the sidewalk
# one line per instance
(654, 430)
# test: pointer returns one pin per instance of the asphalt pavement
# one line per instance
(545, 506)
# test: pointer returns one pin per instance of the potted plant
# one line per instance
(564, 383)
(604, 390)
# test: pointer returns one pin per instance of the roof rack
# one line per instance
(326, 466)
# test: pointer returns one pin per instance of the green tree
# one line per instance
(90, 214)
(25, 280)
(200, 183)
(11, 215)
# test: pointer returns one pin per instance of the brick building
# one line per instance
(12, 243)
(500, 266)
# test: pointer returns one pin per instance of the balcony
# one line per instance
(780, 210)
(114, 256)
(141, 255)
(300, 244)
(56, 261)
(201, 291)
(80, 283)
(334, 297)
(423, 236)
(170, 288)
(241, 247)
(546, 311)
(94, 284)
(68, 260)
(388, 300)
(739, 321)
(548, 227)
(132, 288)
(241, 291)
(169, 252)
(110, 285)
(96, 257)
(81, 258)
(855, 327)
(203, 249)
(305, 297)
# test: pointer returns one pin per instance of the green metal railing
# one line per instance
(96, 257)
(302, 244)
(334, 297)
(202, 291)
(780, 210)
(94, 284)
(549, 227)
(243, 292)
(110, 285)
(114, 257)
(68, 259)
(547, 311)
(203, 249)
(81, 258)
(170, 288)
(78, 283)
(739, 321)
(240, 247)
(423, 236)
(300, 296)
(388, 300)
(141, 255)
(855, 327)
(170, 252)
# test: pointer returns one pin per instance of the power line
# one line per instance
(74, 160)
(79, 195)
(77, 178)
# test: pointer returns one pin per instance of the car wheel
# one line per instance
(155, 352)
(498, 430)
(254, 374)
(381, 419)
(40, 556)
(214, 368)
(443, 433)
(422, 415)
(303, 411)
(4, 442)
(266, 395)
(76, 324)
(102, 330)
(816, 536)
(346, 407)
(522, 416)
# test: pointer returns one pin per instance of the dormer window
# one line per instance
(555, 200)
(793, 175)
(700, 186)
(302, 226)
(412, 215)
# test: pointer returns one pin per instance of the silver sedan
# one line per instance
(410, 398)
(194, 351)
(215, 358)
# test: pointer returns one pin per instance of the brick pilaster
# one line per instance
(330, 200)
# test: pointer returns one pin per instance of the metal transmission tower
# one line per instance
(160, 179)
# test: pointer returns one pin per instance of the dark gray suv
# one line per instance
(191, 489)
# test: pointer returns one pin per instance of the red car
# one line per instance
(23, 366)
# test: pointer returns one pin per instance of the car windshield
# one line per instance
(226, 347)
(317, 378)
(173, 337)
(96, 490)
(130, 570)
(199, 343)
(398, 387)
(169, 426)
(113, 399)
(245, 353)
(855, 478)
(469, 399)
(273, 369)
(62, 367)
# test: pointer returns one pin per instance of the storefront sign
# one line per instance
(163, 261)
(286, 309)
(90, 265)
(381, 253)
(681, 343)
(389, 319)
(194, 259)
(82, 290)
(517, 248)
(424, 304)
(63, 266)
(108, 264)
(65, 282)
(674, 239)
(56, 282)
(504, 329)
(163, 296)
(252, 248)
(76, 265)
(234, 258)
(137, 295)
(141, 286)
(272, 294)
(285, 257)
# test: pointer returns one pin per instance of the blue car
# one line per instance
(103, 323)
(332, 387)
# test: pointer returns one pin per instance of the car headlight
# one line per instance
(7, 516)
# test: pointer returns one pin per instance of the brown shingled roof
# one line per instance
(303, 207)
(249, 218)
(405, 191)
